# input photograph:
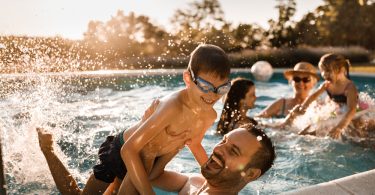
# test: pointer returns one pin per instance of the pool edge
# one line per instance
(360, 183)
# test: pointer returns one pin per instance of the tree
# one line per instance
(200, 15)
(126, 35)
(281, 32)
(339, 23)
(247, 36)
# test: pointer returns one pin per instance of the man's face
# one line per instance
(227, 164)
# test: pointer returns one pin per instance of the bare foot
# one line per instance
(45, 139)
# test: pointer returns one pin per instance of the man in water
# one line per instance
(242, 156)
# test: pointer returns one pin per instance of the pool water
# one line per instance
(82, 111)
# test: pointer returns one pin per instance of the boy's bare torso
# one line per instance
(165, 141)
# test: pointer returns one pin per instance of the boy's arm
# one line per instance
(352, 101)
(197, 149)
(130, 151)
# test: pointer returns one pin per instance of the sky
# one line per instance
(70, 18)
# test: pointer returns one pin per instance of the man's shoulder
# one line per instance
(195, 175)
(196, 179)
(193, 184)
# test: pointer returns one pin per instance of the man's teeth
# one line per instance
(208, 101)
(217, 160)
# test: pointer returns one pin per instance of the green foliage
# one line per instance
(288, 57)
(339, 23)
(281, 32)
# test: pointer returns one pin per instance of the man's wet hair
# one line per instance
(264, 158)
(208, 58)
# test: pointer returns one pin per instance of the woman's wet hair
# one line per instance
(335, 62)
(264, 158)
(208, 58)
(231, 109)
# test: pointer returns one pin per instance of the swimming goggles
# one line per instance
(206, 86)
(304, 79)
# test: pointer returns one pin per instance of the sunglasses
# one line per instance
(299, 79)
(206, 86)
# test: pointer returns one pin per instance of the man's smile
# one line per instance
(208, 101)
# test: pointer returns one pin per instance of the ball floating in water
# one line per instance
(262, 71)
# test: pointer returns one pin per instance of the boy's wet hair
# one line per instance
(335, 62)
(231, 109)
(209, 59)
(264, 158)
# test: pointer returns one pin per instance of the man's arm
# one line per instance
(170, 181)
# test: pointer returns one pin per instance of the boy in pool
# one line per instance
(140, 153)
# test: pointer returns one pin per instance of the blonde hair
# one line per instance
(335, 62)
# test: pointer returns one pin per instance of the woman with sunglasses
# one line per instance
(303, 78)
(237, 102)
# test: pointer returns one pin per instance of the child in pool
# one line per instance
(340, 89)
(237, 102)
(140, 154)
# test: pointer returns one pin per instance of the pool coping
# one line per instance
(360, 183)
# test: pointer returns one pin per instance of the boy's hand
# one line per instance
(335, 133)
(151, 109)
(45, 139)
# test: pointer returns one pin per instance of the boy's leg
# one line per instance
(94, 186)
(65, 183)
(127, 186)
(113, 187)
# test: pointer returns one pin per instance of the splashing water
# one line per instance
(322, 116)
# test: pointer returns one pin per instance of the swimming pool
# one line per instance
(85, 108)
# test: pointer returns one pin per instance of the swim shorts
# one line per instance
(110, 164)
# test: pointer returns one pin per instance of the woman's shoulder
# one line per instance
(280, 102)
